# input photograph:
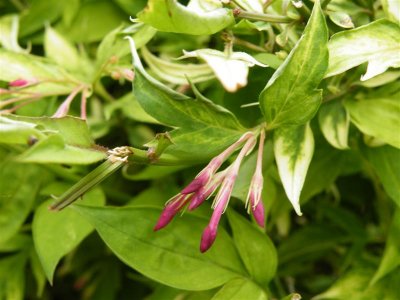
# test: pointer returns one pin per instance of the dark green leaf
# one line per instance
(170, 256)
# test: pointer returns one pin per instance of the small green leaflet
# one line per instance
(377, 43)
(171, 16)
(203, 128)
(294, 148)
(377, 117)
(239, 289)
(334, 122)
(291, 97)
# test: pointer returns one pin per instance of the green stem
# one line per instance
(261, 17)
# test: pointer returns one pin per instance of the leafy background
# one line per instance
(332, 145)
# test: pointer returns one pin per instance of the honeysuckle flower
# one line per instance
(223, 196)
(254, 201)
(231, 68)
(174, 205)
(206, 183)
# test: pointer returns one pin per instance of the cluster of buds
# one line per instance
(210, 179)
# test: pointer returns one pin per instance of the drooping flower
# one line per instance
(209, 180)
(254, 201)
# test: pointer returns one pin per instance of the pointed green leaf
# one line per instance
(171, 16)
(377, 43)
(9, 25)
(334, 122)
(239, 289)
(204, 128)
(294, 148)
(170, 256)
(56, 233)
(290, 97)
(377, 117)
(255, 249)
(391, 255)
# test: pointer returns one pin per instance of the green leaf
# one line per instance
(93, 21)
(391, 256)
(49, 228)
(341, 19)
(171, 16)
(12, 277)
(386, 163)
(334, 122)
(170, 256)
(378, 117)
(239, 289)
(17, 132)
(354, 285)
(54, 150)
(290, 97)
(19, 185)
(294, 148)
(348, 49)
(205, 128)
(255, 249)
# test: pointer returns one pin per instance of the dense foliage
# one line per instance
(285, 115)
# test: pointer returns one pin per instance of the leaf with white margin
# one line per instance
(294, 148)
(334, 122)
(171, 16)
(378, 117)
(391, 9)
(377, 43)
(204, 5)
(231, 69)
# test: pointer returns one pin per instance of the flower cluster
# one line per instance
(210, 179)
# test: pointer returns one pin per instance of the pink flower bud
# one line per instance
(208, 238)
(170, 210)
(258, 213)
(18, 83)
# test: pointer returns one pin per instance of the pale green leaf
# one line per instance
(171, 16)
(175, 72)
(290, 97)
(174, 253)
(17, 132)
(49, 227)
(53, 79)
(392, 10)
(239, 289)
(377, 43)
(341, 19)
(255, 249)
(381, 79)
(9, 25)
(294, 148)
(377, 117)
(334, 122)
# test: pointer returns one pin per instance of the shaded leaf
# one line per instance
(238, 289)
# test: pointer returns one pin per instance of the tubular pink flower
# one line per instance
(171, 209)
(222, 199)
(253, 201)
(207, 173)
